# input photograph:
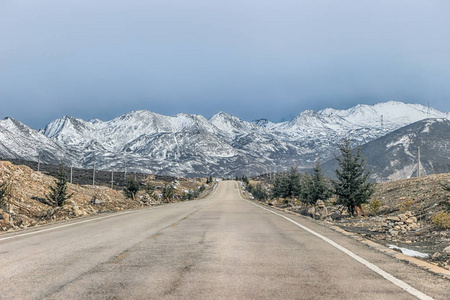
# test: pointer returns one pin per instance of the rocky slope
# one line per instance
(191, 145)
(29, 189)
(403, 219)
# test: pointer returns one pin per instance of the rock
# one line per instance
(436, 255)
(413, 226)
(97, 201)
(321, 213)
(402, 217)
(320, 204)
(78, 212)
(312, 211)
(393, 219)
(393, 232)
(5, 217)
(447, 250)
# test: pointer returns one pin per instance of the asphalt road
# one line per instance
(222, 247)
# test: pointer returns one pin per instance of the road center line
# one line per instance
(356, 257)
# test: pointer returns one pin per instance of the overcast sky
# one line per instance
(250, 58)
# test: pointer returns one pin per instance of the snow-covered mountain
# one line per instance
(191, 145)
(18, 141)
(395, 155)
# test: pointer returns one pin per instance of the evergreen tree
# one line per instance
(287, 185)
(149, 188)
(58, 193)
(259, 193)
(281, 187)
(314, 187)
(5, 193)
(168, 192)
(352, 187)
(131, 188)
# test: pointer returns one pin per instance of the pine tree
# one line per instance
(58, 193)
(168, 192)
(5, 193)
(259, 192)
(131, 188)
(287, 185)
(150, 188)
(315, 186)
(352, 187)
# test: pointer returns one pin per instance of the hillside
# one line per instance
(394, 156)
(404, 218)
(29, 190)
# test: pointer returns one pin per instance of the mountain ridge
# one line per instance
(223, 145)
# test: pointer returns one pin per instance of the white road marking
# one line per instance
(356, 257)
(80, 222)
(214, 191)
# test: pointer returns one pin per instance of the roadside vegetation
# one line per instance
(412, 213)
(29, 198)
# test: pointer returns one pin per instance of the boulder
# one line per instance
(312, 211)
(436, 255)
(447, 250)
(393, 219)
(402, 217)
(321, 211)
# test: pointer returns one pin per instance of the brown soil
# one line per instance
(29, 206)
(416, 200)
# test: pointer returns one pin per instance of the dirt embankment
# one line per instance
(405, 216)
(27, 205)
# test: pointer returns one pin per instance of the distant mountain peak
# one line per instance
(191, 145)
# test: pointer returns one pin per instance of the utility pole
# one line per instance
(112, 179)
(418, 161)
(39, 161)
(382, 123)
(93, 174)
(71, 173)
(125, 177)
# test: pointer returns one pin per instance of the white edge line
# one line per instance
(214, 191)
(80, 222)
(356, 257)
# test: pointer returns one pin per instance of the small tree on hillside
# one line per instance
(58, 192)
(131, 188)
(5, 194)
(352, 187)
(259, 193)
(168, 191)
(287, 185)
(149, 188)
(315, 186)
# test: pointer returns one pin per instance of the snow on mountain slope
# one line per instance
(222, 145)
(394, 156)
(394, 113)
(22, 142)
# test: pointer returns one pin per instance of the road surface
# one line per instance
(222, 247)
